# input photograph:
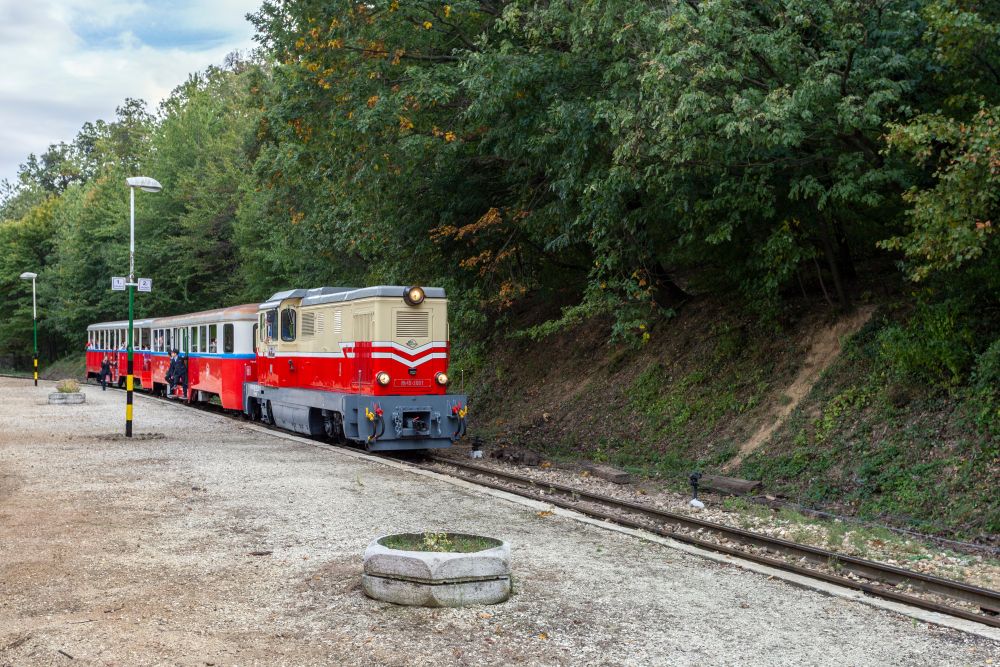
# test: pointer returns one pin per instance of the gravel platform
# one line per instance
(116, 552)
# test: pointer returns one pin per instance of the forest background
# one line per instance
(555, 163)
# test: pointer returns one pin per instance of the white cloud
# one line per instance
(66, 62)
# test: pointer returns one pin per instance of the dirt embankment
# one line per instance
(817, 420)
(708, 385)
(824, 347)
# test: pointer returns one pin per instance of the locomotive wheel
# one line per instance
(333, 427)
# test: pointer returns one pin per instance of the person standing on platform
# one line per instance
(105, 373)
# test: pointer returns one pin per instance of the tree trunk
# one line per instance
(844, 259)
(838, 280)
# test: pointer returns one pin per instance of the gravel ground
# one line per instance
(116, 552)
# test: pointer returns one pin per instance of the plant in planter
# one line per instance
(437, 569)
(67, 393)
(68, 386)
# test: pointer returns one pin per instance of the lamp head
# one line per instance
(28, 275)
(144, 183)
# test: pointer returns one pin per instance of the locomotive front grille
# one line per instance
(411, 324)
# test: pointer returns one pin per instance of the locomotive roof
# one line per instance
(318, 295)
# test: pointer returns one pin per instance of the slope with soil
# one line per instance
(711, 391)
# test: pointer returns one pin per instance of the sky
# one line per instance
(66, 62)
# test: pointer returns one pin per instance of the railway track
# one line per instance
(879, 579)
(875, 579)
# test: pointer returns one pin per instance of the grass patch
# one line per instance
(439, 542)
(72, 366)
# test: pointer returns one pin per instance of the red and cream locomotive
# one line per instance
(365, 365)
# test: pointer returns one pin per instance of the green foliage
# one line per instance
(954, 223)
(986, 389)
(628, 155)
(935, 347)
(850, 401)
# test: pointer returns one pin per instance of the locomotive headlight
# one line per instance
(382, 378)
(414, 296)
(442, 378)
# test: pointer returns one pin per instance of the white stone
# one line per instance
(61, 398)
(437, 579)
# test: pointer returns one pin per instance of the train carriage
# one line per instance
(217, 346)
(111, 339)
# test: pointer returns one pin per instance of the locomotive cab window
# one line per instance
(288, 325)
(270, 324)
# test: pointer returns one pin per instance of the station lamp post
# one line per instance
(145, 184)
(28, 275)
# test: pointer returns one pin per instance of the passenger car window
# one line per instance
(288, 324)
(227, 338)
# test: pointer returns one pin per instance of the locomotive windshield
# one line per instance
(288, 324)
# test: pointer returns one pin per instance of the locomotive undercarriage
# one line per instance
(380, 423)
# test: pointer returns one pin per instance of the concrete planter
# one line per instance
(60, 398)
(437, 579)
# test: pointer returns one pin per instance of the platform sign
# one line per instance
(118, 283)
(145, 284)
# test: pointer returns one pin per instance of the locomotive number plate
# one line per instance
(411, 383)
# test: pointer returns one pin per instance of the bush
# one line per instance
(986, 389)
(936, 347)
(68, 386)
(986, 377)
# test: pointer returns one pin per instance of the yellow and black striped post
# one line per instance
(128, 378)
(36, 368)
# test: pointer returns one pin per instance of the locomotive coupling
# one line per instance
(378, 424)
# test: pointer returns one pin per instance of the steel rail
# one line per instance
(985, 599)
